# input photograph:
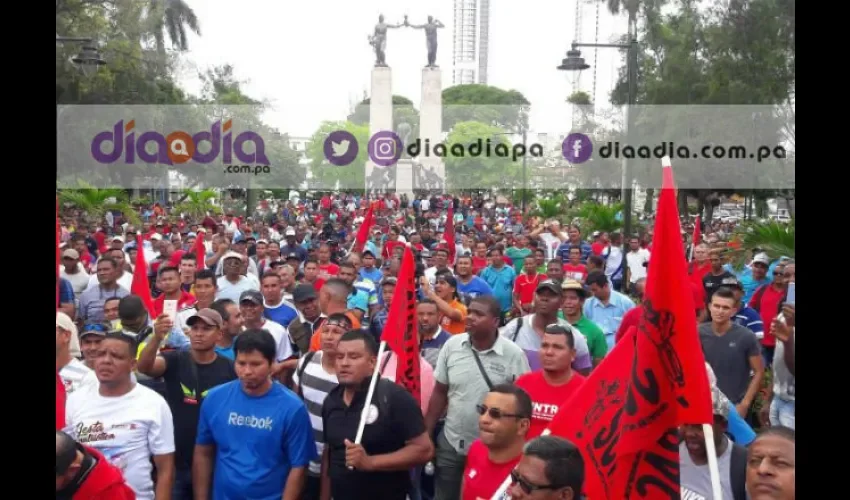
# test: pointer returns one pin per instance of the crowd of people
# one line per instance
(246, 374)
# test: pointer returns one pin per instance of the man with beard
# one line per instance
(504, 421)
(394, 441)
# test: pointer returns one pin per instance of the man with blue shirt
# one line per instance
(746, 315)
(607, 307)
(469, 285)
(500, 277)
(255, 434)
(369, 271)
(754, 276)
(574, 240)
(275, 307)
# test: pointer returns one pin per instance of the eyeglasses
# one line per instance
(495, 413)
(527, 486)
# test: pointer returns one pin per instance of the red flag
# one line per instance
(695, 238)
(449, 234)
(58, 256)
(141, 286)
(624, 417)
(200, 250)
(400, 332)
(363, 231)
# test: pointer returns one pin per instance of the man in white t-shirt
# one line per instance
(253, 308)
(127, 422)
(637, 258)
(74, 373)
(73, 271)
(233, 283)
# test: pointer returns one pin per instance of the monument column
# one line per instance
(380, 107)
(431, 119)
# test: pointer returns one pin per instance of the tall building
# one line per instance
(471, 41)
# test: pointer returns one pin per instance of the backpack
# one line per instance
(298, 335)
(518, 328)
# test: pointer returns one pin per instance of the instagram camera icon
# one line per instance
(385, 148)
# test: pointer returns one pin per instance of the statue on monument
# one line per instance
(378, 40)
(430, 37)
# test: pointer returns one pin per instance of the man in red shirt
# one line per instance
(701, 264)
(503, 425)
(574, 269)
(83, 473)
(525, 285)
(327, 269)
(767, 301)
(168, 280)
(556, 381)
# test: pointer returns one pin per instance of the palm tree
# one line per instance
(631, 7)
(599, 217)
(197, 204)
(96, 202)
(172, 17)
(774, 238)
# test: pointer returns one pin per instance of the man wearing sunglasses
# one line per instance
(550, 469)
(90, 338)
(503, 423)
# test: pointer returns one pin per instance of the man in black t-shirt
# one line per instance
(188, 376)
(394, 438)
(714, 278)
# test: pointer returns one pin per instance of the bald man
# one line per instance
(83, 473)
(333, 298)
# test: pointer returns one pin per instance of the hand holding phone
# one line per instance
(792, 293)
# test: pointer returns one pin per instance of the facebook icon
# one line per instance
(577, 148)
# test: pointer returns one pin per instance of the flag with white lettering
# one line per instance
(400, 331)
(624, 418)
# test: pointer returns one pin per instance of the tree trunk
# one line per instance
(648, 203)
(251, 196)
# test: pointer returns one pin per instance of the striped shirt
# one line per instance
(316, 385)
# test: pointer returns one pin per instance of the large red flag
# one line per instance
(363, 231)
(141, 286)
(200, 250)
(625, 416)
(449, 234)
(400, 331)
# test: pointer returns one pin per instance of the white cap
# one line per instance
(762, 258)
(64, 322)
(290, 231)
(117, 238)
(236, 255)
(156, 237)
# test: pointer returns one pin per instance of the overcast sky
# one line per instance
(310, 59)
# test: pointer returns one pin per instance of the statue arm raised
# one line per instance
(439, 24)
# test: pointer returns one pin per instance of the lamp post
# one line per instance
(574, 62)
(88, 59)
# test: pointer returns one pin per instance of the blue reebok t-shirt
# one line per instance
(258, 440)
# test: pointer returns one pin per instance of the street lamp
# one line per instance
(574, 62)
(88, 59)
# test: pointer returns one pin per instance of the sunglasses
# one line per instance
(527, 486)
(95, 327)
(495, 413)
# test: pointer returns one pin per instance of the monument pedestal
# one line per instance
(404, 177)
(431, 118)
(380, 108)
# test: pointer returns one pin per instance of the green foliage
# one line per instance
(196, 204)
(96, 202)
(579, 98)
(485, 104)
(483, 171)
(325, 175)
(774, 238)
(598, 217)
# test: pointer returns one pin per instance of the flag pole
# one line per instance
(365, 413)
(713, 469)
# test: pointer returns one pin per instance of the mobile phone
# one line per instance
(792, 293)
(169, 307)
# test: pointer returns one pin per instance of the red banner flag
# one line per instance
(625, 416)
(695, 238)
(363, 231)
(400, 331)
(200, 250)
(58, 256)
(449, 234)
(141, 286)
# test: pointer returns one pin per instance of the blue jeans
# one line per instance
(782, 412)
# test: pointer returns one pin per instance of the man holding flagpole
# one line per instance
(394, 439)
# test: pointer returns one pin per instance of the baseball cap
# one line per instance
(239, 239)
(208, 316)
(448, 278)
(71, 254)
(303, 293)
(731, 281)
(369, 252)
(595, 234)
(251, 296)
(156, 237)
(117, 237)
(290, 231)
(762, 258)
(98, 329)
(64, 322)
(552, 285)
(233, 255)
(574, 285)
(720, 404)
(292, 255)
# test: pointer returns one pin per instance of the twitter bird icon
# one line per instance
(341, 148)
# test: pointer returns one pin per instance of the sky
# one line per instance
(311, 59)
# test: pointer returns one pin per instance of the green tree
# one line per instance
(172, 18)
(197, 204)
(485, 104)
(405, 119)
(96, 202)
(485, 170)
(326, 176)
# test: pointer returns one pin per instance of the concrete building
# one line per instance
(470, 41)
